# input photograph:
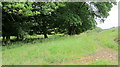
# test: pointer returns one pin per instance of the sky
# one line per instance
(112, 19)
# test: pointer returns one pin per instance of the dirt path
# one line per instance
(104, 53)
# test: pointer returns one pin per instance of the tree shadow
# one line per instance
(28, 41)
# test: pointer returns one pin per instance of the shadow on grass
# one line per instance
(28, 41)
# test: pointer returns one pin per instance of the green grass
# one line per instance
(0, 55)
(107, 38)
(50, 51)
(103, 62)
(58, 49)
(97, 62)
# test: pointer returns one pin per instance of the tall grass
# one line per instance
(57, 49)
(107, 38)
(50, 51)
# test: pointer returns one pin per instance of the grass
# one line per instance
(107, 38)
(103, 62)
(47, 52)
(97, 62)
(0, 55)
(58, 49)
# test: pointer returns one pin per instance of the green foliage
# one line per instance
(24, 12)
(46, 17)
(0, 5)
(18, 8)
(103, 8)
(79, 17)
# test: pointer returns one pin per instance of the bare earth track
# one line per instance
(104, 53)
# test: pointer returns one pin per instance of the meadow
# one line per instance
(60, 49)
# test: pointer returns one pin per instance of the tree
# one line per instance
(20, 18)
(78, 17)
(13, 23)
(44, 19)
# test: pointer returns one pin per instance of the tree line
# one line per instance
(27, 18)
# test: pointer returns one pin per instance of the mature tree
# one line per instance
(15, 19)
(20, 18)
(77, 17)
(44, 19)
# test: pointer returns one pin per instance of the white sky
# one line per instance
(112, 19)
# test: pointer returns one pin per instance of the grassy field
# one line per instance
(58, 49)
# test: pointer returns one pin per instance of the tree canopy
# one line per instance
(22, 18)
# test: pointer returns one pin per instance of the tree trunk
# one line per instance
(18, 37)
(3, 39)
(45, 35)
(22, 37)
(45, 30)
(7, 39)
(71, 30)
